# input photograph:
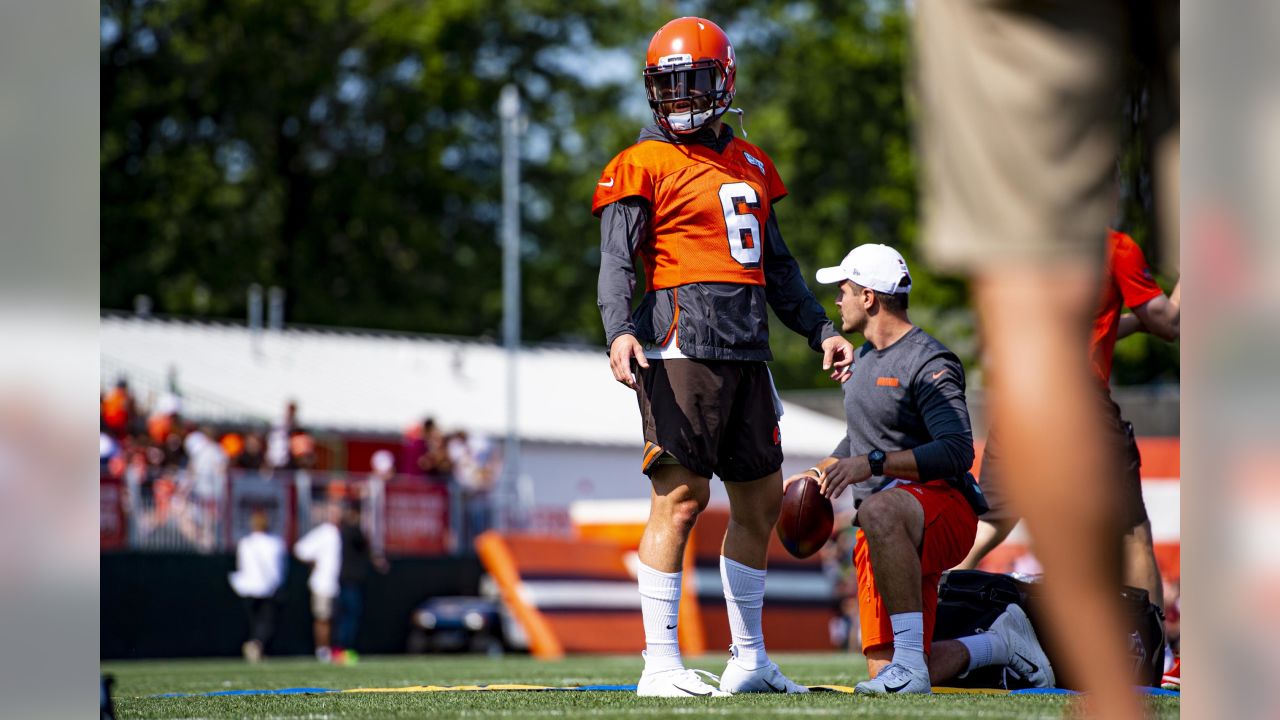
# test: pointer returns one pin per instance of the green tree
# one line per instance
(348, 151)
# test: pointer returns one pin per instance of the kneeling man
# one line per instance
(906, 454)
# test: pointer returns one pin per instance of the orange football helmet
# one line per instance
(689, 73)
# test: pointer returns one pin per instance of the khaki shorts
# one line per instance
(1019, 119)
(321, 607)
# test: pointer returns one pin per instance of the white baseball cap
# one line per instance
(874, 266)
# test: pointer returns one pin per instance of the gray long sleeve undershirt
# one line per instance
(909, 396)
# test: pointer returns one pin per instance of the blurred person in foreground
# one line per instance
(1019, 115)
(696, 204)
(321, 547)
(358, 555)
(1127, 282)
(906, 455)
(260, 571)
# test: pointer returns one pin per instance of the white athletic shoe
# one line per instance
(678, 682)
(738, 678)
(896, 678)
(1027, 658)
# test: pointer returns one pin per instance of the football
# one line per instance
(804, 525)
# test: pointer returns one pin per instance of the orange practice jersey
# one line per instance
(709, 209)
(1128, 282)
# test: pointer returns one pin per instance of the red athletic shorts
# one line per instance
(949, 528)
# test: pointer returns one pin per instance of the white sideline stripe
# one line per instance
(609, 512)
(624, 595)
(605, 594)
(1163, 497)
(1164, 506)
(779, 585)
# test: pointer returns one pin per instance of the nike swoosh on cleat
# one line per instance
(1034, 667)
(695, 694)
(898, 688)
(771, 686)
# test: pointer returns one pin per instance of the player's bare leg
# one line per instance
(1035, 326)
(893, 524)
(321, 630)
(753, 511)
(677, 497)
(1140, 567)
(990, 535)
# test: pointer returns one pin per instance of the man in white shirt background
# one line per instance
(322, 548)
(260, 571)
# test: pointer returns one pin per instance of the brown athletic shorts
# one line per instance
(711, 416)
(1122, 444)
(1018, 128)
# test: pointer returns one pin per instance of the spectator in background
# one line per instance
(434, 460)
(322, 548)
(473, 470)
(358, 555)
(384, 466)
(165, 418)
(253, 456)
(412, 449)
(108, 451)
(278, 448)
(204, 483)
(302, 450)
(232, 444)
(260, 571)
(118, 410)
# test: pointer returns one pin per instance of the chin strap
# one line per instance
(741, 113)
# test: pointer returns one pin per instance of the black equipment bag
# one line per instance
(970, 600)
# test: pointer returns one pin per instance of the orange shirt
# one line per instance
(115, 410)
(1126, 283)
(709, 209)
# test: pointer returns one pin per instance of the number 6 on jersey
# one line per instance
(743, 228)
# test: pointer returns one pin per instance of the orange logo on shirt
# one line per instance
(887, 382)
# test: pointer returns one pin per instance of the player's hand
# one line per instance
(623, 350)
(837, 356)
(787, 483)
(846, 472)
(810, 473)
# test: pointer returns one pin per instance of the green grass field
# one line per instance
(138, 680)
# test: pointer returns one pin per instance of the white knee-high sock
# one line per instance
(744, 596)
(908, 640)
(660, 608)
(985, 649)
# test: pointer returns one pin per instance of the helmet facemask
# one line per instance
(685, 96)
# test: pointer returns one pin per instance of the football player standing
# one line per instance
(696, 204)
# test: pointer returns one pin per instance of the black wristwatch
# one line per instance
(876, 459)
